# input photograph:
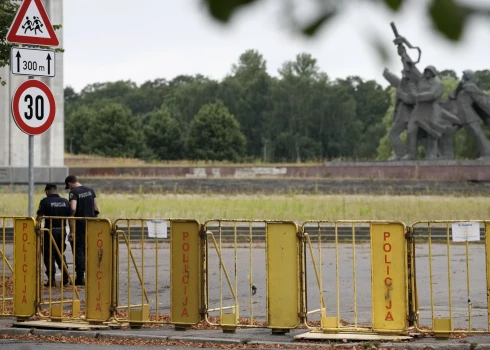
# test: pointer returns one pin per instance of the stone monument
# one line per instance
(417, 107)
(49, 165)
(470, 104)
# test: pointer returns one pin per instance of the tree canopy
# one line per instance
(299, 116)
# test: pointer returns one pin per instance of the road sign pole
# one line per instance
(31, 172)
(31, 175)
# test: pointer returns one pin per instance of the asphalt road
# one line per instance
(256, 305)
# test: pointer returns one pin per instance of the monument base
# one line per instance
(453, 170)
(42, 175)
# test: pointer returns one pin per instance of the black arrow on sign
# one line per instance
(18, 61)
(49, 63)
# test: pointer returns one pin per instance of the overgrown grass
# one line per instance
(276, 207)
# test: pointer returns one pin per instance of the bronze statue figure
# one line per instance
(470, 104)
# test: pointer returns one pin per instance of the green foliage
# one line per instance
(163, 136)
(215, 135)
(7, 14)
(449, 17)
(114, 132)
(300, 116)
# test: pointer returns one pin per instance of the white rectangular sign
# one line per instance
(33, 62)
(157, 228)
(466, 231)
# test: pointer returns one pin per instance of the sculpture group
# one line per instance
(428, 120)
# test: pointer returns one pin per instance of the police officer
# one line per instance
(83, 204)
(53, 205)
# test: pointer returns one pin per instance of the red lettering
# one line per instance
(388, 270)
(24, 248)
(185, 290)
(185, 279)
(97, 308)
(184, 313)
(24, 225)
(185, 247)
(25, 257)
(24, 300)
(100, 243)
(386, 281)
(185, 303)
(99, 275)
(185, 235)
(25, 278)
(98, 298)
(98, 234)
(25, 238)
(24, 268)
(386, 260)
(98, 287)
(389, 317)
(185, 258)
(389, 306)
(386, 235)
(387, 250)
(185, 268)
(25, 289)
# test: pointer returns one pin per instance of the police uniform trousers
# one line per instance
(50, 254)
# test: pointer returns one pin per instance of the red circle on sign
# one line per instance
(36, 84)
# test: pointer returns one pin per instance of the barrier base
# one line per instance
(349, 336)
(59, 325)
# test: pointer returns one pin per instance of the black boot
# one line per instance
(80, 280)
(50, 282)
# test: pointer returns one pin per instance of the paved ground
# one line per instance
(256, 305)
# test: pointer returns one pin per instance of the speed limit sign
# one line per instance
(33, 107)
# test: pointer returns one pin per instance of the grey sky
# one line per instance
(146, 39)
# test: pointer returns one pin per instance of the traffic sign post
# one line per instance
(32, 62)
(33, 103)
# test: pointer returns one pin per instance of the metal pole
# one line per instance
(31, 175)
(31, 170)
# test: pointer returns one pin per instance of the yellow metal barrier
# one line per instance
(60, 302)
(17, 227)
(25, 267)
(451, 293)
(360, 270)
(166, 257)
(238, 289)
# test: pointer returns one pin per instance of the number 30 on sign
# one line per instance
(33, 107)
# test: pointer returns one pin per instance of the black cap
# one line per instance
(70, 179)
(50, 186)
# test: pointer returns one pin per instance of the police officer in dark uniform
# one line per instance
(83, 203)
(53, 205)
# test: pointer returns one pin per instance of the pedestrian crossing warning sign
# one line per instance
(32, 26)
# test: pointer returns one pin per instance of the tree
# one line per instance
(77, 121)
(7, 14)
(114, 132)
(163, 136)
(483, 79)
(187, 94)
(372, 101)
(215, 135)
(448, 74)
(246, 93)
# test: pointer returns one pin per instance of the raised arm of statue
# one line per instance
(406, 97)
(435, 93)
(393, 79)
